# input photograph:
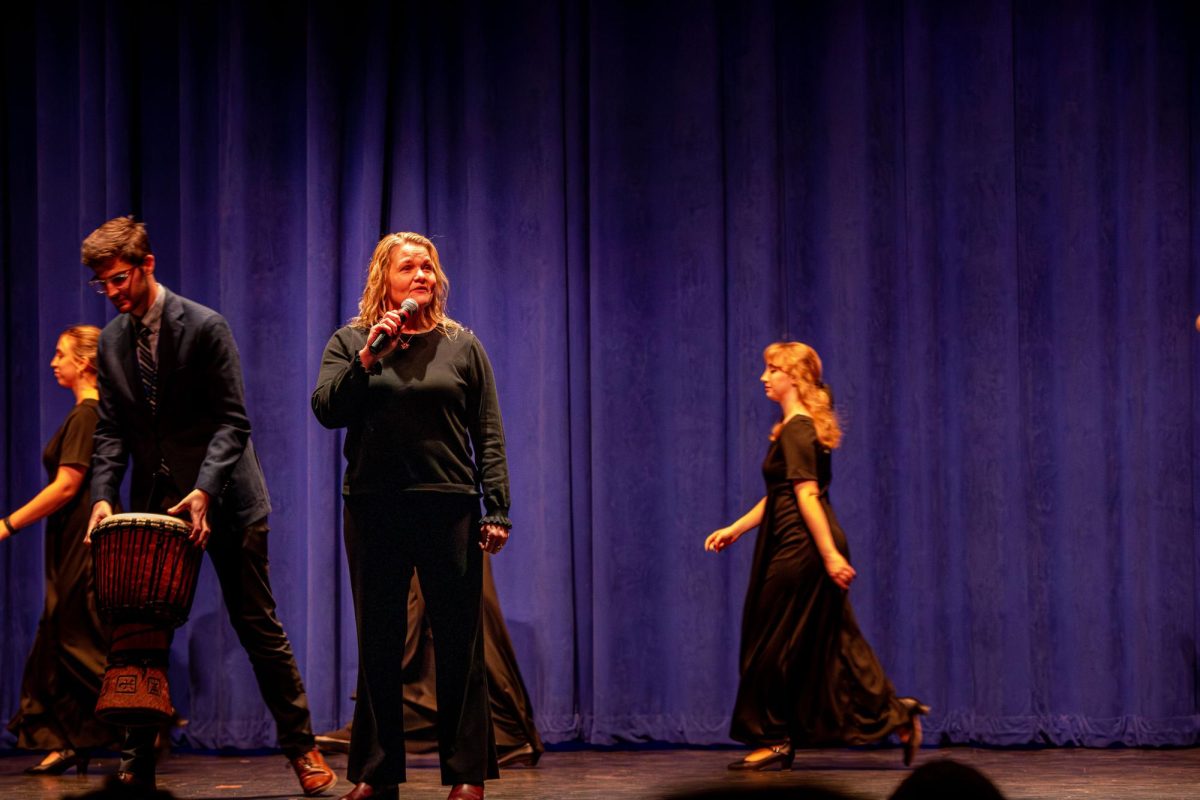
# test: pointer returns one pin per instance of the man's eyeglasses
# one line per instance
(117, 281)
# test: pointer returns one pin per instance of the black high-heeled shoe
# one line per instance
(916, 709)
(780, 759)
(62, 761)
(523, 756)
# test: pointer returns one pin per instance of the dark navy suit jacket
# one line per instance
(201, 431)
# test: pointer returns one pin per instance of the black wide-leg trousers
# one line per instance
(387, 538)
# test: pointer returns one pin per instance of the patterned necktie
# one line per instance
(146, 367)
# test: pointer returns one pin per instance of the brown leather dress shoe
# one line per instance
(314, 774)
(362, 791)
(465, 791)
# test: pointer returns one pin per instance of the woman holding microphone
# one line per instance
(424, 445)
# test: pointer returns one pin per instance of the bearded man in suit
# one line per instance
(171, 402)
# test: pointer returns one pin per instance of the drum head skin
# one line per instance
(142, 521)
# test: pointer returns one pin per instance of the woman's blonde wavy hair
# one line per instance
(85, 340)
(802, 364)
(374, 301)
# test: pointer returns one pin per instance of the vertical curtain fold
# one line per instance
(984, 218)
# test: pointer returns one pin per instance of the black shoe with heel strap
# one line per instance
(61, 761)
(916, 709)
(780, 759)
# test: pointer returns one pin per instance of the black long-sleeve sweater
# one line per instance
(428, 421)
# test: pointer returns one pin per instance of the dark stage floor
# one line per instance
(1125, 774)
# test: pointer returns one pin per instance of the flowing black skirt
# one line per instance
(62, 676)
(808, 677)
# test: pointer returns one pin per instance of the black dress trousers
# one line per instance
(387, 538)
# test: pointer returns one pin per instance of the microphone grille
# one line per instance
(409, 306)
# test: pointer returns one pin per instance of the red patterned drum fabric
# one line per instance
(146, 569)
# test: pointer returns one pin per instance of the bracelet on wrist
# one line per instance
(8, 525)
(496, 518)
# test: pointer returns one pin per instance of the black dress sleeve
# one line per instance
(798, 443)
(76, 449)
(487, 435)
(341, 389)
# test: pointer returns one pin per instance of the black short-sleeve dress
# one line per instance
(65, 666)
(808, 677)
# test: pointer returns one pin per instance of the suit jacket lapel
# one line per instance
(133, 378)
(170, 333)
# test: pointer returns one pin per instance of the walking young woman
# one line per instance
(66, 663)
(808, 677)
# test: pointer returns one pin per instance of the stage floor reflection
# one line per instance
(616, 774)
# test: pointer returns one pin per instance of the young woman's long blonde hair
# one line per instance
(84, 345)
(802, 364)
(374, 302)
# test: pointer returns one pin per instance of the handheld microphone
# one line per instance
(407, 309)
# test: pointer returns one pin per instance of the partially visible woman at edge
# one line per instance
(66, 663)
(424, 445)
(808, 677)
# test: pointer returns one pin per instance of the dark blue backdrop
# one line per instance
(983, 216)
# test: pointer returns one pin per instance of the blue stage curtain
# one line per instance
(983, 216)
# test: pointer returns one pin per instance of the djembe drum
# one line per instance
(146, 572)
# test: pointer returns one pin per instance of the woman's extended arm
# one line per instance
(54, 496)
(721, 538)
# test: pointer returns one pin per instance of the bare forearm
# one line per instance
(751, 519)
(818, 523)
(808, 499)
(721, 538)
(50, 499)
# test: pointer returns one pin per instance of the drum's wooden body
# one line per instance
(146, 573)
